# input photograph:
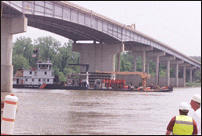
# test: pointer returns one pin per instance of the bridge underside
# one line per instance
(69, 30)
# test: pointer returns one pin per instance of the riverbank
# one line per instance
(187, 87)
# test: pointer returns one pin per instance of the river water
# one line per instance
(83, 112)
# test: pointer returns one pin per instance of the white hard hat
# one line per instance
(197, 98)
(184, 106)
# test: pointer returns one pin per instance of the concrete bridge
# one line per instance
(77, 23)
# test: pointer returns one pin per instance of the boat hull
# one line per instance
(50, 86)
(135, 90)
(26, 86)
(57, 86)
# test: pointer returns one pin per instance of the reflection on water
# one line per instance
(67, 112)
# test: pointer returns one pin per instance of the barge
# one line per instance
(42, 78)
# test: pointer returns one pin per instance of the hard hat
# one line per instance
(184, 106)
(197, 98)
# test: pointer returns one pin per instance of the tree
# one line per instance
(19, 62)
(47, 47)
(24, 46)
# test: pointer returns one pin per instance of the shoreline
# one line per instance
(187, 87)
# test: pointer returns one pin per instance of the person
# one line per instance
(140, 84)
(196, 106)
(152, 87)
(182, 124)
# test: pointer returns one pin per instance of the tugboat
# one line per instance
(34, 77)
(42, 78)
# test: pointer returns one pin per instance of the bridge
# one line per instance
(77, 23)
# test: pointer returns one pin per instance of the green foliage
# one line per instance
(48, 47)
(62, 77)
(19, 62)
(62, 55)
(193, 84)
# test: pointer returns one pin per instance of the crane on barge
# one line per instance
(144, 76)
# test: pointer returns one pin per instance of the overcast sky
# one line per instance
(175, 23)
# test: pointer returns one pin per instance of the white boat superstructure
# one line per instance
(36, 76)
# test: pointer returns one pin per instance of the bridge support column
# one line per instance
(118, 61)
(168, 73)
(176, 74)
(176, 70)
(143, 60)
(190, 72)
(157, 71)
(167, 59)
(184, 65)
(184, 75)
(147, 65)
(156, 55)
(190, 75)
(141, 51)
(135, 64)
(9, 26)
(100, 57)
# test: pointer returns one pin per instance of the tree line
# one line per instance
(62, 55)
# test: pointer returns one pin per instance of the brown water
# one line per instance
(77, 112)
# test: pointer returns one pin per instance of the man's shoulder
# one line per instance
(198, 112)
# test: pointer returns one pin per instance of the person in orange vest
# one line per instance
(115, 82)
(103, 81)
(112, 83)
(107, 83)
(124, 82)
(118, 83)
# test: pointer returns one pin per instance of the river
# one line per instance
(84, 112)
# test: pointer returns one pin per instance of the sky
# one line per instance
(174, 23)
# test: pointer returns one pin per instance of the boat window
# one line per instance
(39, 80)
(32, 80)
(35, 73)
(30, 72)
(47, 80)
(26, 79)
(43, 66)
(45, 72)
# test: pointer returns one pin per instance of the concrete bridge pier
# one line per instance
(134, 60)
(118, 62)
(184, 65)
(100, 57)
(190, 72)
(9, 26)
(167, 59)
(135, 63)
(140, 51)
(176, 70)
(156, 55)
(147, 65)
